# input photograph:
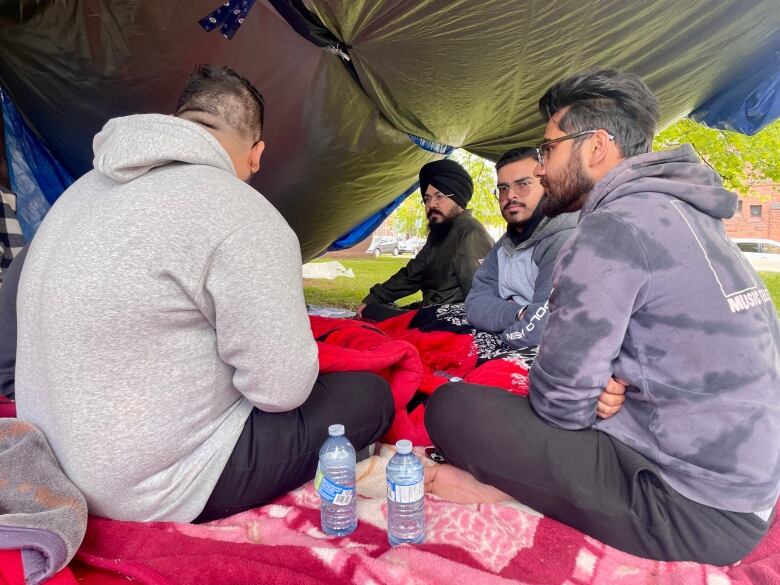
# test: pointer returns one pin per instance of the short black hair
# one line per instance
(620, 103)
(514, 155)
(222, 93)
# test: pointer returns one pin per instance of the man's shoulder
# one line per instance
(557, 229)
(564, 223)
(609, 235)
(491, 257)
(635, 207)
(603, 219)
(632, 213)
(238, 202)
(468, 224)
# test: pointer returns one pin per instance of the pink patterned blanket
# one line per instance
(474, 545)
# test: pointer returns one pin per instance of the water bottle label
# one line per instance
(405, 494)
(332, 492)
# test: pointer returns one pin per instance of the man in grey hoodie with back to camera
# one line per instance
(164, 347)
(651, 291)
(510, 290)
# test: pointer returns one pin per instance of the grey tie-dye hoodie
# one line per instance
(651, 290)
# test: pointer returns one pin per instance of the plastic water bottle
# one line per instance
(335, 483)
(405, 496)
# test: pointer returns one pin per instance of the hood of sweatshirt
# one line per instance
(549, 226)
(677, 173)
(129, 147)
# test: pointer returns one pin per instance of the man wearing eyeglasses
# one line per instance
(457, 243)
(510, 290)
(651, 291)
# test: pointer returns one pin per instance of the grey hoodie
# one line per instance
(161, 300)
(515, 276)
(651, 290)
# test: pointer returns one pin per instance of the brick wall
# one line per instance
(758, 215)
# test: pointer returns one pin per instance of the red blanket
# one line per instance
(349, 346)
(410, 360)
(7, 408)
(481, 545)
(485, 544)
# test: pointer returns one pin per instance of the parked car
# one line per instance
(763, 255)
(384, 245)
(412, 246)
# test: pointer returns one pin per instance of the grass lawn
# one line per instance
(348, 292)
(772, 280)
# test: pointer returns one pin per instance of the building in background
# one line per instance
(758, 214)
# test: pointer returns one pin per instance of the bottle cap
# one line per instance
(336, 430)
(403, 446)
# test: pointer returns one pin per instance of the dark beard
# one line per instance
(519, 233)
(438, 231)
(569, 193)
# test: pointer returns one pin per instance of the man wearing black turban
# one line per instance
(456, 245)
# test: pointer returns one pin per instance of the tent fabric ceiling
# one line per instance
(470, 74)
(464, 73)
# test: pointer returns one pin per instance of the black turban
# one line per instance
(450, 178)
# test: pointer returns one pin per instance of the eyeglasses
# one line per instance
(435, 198)
(521, 187)
(543, 149)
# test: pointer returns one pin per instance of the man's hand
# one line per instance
(359, 312)
(612, 398)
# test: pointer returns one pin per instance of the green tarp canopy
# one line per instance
(355, 89)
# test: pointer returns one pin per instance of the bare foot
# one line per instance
(455, 485)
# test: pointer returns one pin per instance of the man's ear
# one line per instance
(599, 148)
(255, 154)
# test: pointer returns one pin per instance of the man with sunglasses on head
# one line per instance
(457, 243)
(510, 290)
(651, 291)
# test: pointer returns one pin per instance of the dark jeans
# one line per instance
(278, 452)
(585, 479)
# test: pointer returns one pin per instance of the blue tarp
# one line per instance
(36, 176)
(367, 226)
(748, 105)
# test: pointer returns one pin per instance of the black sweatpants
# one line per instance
(382, 311)
(278, 452)
(585, 479)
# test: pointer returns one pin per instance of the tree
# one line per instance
(483, 204)
(409, 219)
(740, 160)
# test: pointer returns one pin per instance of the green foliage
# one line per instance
(409, 219)
(740, 160)
(483, 204)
